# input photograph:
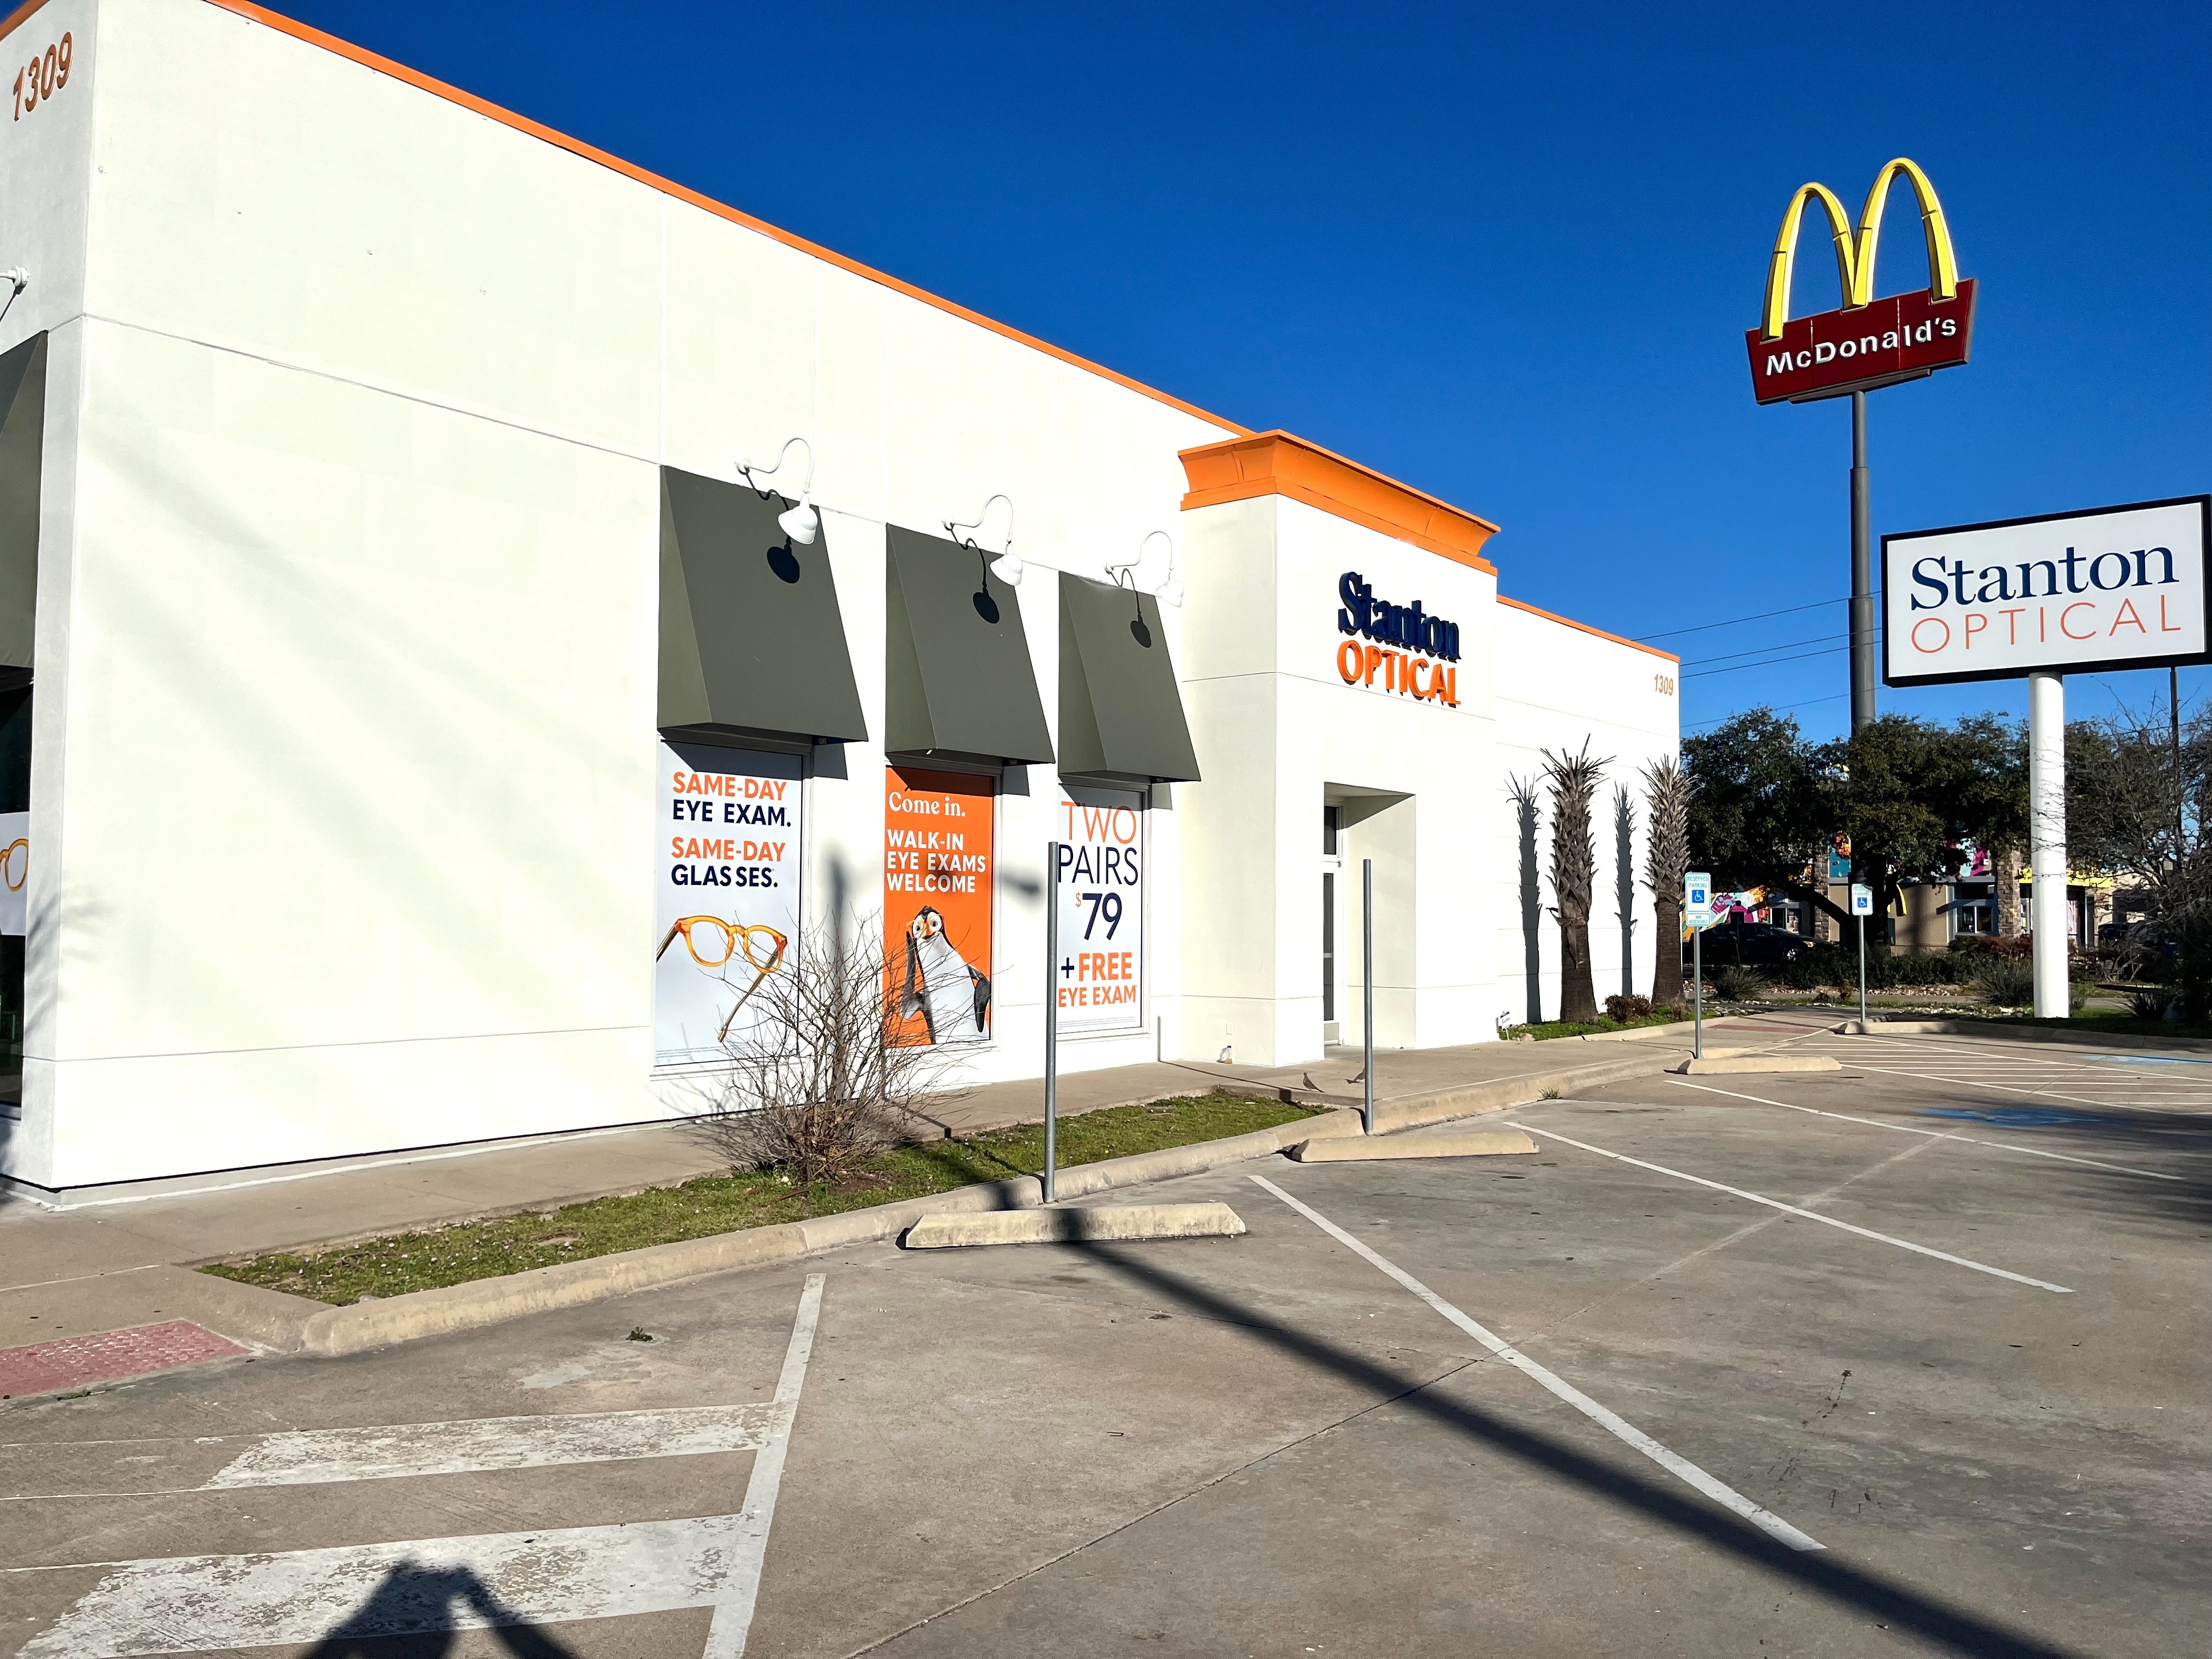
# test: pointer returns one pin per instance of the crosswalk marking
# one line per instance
(210, 1603)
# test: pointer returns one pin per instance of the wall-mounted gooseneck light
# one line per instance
(17, 279)
(1007, 568)
(1169, 592)
(801, 523)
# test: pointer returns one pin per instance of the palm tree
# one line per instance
(1574, 780)
(1666, 866)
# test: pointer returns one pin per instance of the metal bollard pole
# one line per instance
(1697, 990)
(1863, 1009)
(1051, 1014)
(1367, 992)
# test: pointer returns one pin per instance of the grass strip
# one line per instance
(1569, 1028)
(401, 1262)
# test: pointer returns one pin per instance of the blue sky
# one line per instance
(1506, 256)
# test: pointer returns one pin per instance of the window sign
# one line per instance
(727, 913)
(15, 865)
(939, 869)
(1100, 974)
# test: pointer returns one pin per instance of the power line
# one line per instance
(1645, 638)
(1761, 651)
(1832, 651)
(1808, 702)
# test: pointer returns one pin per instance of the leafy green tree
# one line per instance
(1768, 804)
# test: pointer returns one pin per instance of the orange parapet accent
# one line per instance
(1278, 464)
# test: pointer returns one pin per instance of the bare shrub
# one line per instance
(823, 1080)
(1621, 1010)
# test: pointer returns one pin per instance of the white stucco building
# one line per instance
(394, 657)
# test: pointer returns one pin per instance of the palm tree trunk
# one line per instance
(1574, 781)
(1667, 942)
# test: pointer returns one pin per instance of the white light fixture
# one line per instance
(1169, 592)
(17, 279)
(801, 523)
(1007, 568)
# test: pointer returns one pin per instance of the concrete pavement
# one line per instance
(116, 1259)
(1271, 1446)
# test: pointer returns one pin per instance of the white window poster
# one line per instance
(16, 864)
(1100, 973)
(727, 918)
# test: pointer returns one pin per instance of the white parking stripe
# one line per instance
(311, 1457)
(209, 1603)
(318, 1455)
(1933, 1134)
(1773, 1525)
(733, 1608)
(2004, 1088)
(1810, 1215)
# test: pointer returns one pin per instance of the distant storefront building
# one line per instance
(416, 731)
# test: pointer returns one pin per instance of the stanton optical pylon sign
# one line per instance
(2067, 592)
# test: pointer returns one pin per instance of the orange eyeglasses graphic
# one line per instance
(15, 863)
(713, 941)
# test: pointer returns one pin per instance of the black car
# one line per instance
(1754, 944)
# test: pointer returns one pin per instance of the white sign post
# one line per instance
(2068, 592)
(1862, 907)
(1697, 906)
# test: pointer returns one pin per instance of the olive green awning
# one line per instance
(751, 637)
(958, 676)
(22, 435)
(1120, 709)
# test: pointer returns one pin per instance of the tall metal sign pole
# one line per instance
(1862, 634)
(1367, 994)
(2063, 593)
(1051, 1016)
(1862, 907)
(1698, 909)
(1865, 344)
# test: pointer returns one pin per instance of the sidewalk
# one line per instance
(117, 1262)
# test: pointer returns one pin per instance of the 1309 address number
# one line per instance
(43, 77)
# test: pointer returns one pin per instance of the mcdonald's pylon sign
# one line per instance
(1868, 342)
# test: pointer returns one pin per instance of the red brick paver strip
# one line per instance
(77, 1362)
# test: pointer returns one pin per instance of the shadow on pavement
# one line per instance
(416, 1612)
(1959, 1629)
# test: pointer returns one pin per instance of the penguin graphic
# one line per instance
(951, 997)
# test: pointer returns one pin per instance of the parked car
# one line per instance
(1755, 944)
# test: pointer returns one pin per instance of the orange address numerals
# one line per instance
(43, 77)
(1663, 684)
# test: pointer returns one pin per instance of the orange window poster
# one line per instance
(938, 870)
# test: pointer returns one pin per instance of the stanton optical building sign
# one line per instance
(1414, 654)
(2072, 592)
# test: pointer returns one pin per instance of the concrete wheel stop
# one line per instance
(1096, 1223)
(1432, 1143)
(1740, 1064)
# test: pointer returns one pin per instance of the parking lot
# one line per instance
(1910, 1358)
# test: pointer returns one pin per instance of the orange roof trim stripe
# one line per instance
(1549, 616)
(523, 123)
(1279, 464)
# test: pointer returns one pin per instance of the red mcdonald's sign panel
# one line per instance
(1898, 338)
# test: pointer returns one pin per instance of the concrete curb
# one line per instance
(278, 1323)
(1418, 1143)
(1104, 1222)
(1990, 1028)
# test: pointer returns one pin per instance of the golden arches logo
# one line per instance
(1855, 255)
